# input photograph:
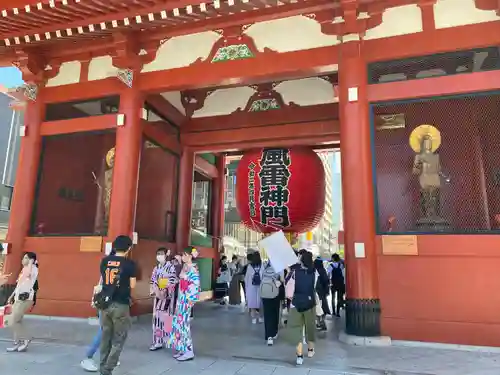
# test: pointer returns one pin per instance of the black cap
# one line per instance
(122, 243)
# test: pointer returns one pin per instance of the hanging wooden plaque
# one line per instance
(91, 244)
(399, 245)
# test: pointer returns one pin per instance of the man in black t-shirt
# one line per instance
(118, 275)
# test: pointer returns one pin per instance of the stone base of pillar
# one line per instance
(378, 341)
(363, 317)
(5, 292)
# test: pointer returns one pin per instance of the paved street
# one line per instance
(226, 344)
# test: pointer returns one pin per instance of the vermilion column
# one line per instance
(26, 179)
(363, 304)
(126, 168)
(185, 198)
(217, 204)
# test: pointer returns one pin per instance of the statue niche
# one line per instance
(104, 184)
(425, 140)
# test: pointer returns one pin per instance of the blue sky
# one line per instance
(10, 77)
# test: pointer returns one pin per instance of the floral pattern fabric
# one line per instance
(164, 282)
(189, 293)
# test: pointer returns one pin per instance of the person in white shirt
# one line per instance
(23, 299)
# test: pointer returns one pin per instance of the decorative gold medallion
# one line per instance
(110, 157)
(422, 131)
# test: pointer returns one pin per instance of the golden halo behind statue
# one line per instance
(110, 156)
(420, 132)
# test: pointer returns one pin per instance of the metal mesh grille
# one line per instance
(462, 193)
(459, 62)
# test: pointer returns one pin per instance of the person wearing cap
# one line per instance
(118, 278)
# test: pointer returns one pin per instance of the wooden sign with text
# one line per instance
(91, 244)
(399, 245)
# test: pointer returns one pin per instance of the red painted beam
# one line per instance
(442, 40)
(204, 167)
(154, 132)
(133, 9)
(280, 66)
(76, 125)
(438, 86)
(322, 132)
(287, 115)
(166, 109)
(10, 4)
(242, 18)
(330, 141)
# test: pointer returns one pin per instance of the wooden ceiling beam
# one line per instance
(204, 167)
(323, 132)
(287, 115)
(166, 109)
(133, 11)
(261, 68)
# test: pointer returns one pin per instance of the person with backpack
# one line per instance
(337, 272)
(271, 294)
(323, 290)
(300, 287)
(23, 299)
(253, 278)
(113, 300)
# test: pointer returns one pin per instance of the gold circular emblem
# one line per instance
(110, 156)
(418, 134)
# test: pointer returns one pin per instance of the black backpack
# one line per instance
(337, 275)
(304, 297)
(104, 298)
(256, 280)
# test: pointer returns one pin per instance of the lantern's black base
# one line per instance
(363, 317)
(5, 292)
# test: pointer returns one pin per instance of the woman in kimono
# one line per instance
(164, 282)
(189, 293)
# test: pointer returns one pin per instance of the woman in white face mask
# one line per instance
(164, 282)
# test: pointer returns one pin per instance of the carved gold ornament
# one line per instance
(109, 157)
(418, 134)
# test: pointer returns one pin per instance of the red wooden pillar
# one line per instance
(217, 210)
(185, 199)
(363, 304)
(126, 168)
(26, 180)
(217, 203)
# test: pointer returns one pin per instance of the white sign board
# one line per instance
(279, 251)
(359, 250)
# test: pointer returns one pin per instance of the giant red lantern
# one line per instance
(280, 189)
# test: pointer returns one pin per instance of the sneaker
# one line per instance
(188, 356)
(155, 347)
(177, 355)
(270, 341)
(261, 320)
(310, 353)
(24, 346)
(14, 347)
(254, 321)
(88, 365)
(300, 360)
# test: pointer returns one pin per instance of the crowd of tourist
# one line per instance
(301, 291)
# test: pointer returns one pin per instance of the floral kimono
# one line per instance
(189, 294)
(164, 282)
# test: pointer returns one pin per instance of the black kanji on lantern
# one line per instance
(275, 215)
(274, 176)
(274, 196)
